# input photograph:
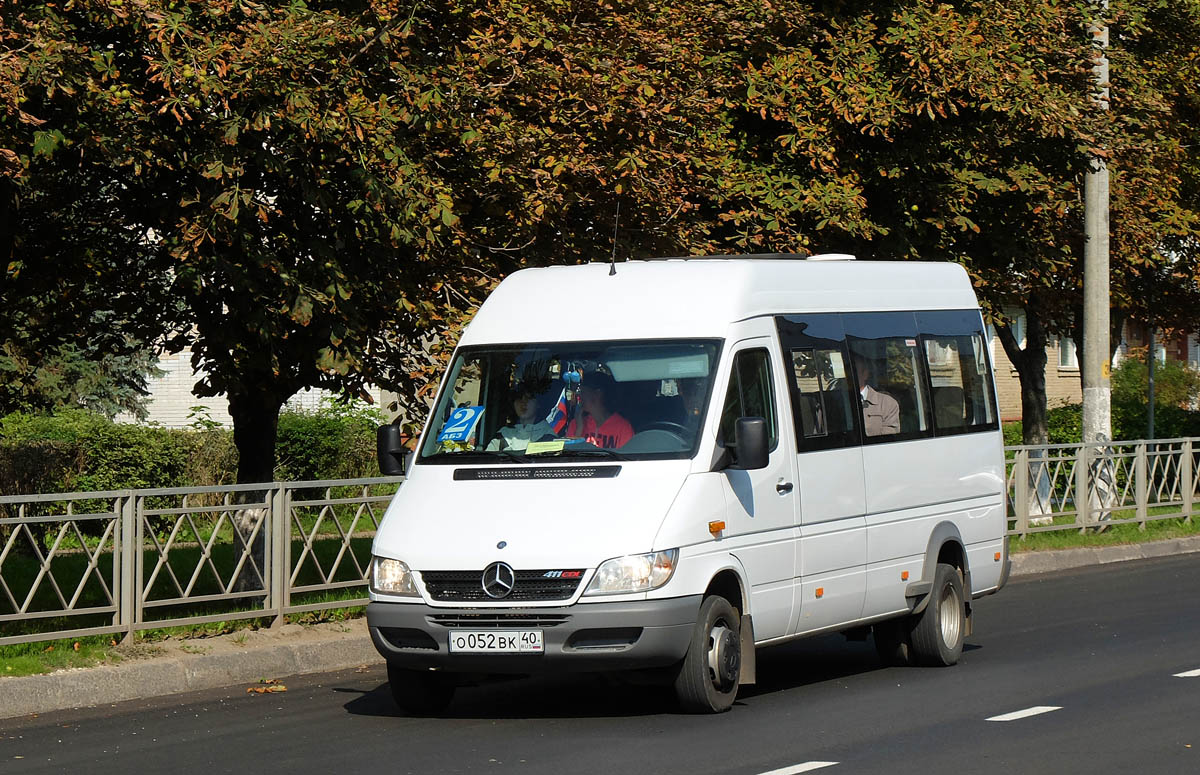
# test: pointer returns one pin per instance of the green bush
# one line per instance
(1175, 383)
(336, 441)
(78, 450)
(1064, 424)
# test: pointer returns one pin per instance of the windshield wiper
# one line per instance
(593, 452)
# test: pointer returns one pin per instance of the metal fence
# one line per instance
(76, 564)
(1088, 486)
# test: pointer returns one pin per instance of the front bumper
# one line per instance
(580, 637)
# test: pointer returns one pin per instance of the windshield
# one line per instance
(625, 400)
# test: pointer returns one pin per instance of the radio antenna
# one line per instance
(612, 266)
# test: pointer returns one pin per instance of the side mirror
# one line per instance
(389, 447)
(751, 446)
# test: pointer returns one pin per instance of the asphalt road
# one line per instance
(1103, 646)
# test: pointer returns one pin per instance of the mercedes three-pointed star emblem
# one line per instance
(499, 580)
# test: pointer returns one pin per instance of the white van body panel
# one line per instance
(442, 524)
(704, 296)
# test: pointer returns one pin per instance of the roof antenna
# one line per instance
(612, 266)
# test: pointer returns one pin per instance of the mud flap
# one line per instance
(746, 676)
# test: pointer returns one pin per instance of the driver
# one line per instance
(597, 424)
(528, 426)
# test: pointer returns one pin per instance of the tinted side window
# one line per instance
(823, 408)
(750, 394)
(889, 375)
(956, 355)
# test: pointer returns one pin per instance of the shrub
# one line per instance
(78, 450)
(1175, 383)
(1129, 423)
(336, 441)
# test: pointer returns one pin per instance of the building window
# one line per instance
(1068, 358)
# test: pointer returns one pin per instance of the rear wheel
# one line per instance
(937, 632)
(708, 677)
(420, 692)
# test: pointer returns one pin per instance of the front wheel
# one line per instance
(937, 632)
(708, 677)
(420, 692)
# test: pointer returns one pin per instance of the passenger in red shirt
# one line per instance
(599, 426)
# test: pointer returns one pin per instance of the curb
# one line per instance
(1030, 563)
(296, 650)
(266, 655)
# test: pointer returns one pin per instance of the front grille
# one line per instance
(462, 586)
(498, 620)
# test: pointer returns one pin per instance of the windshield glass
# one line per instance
(625, 400)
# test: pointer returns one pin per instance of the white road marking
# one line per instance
(1189, 674)
(1019, 714)
(797, 768)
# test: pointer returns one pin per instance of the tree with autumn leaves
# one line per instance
(314, 194)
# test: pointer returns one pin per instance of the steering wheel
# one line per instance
(671, 427)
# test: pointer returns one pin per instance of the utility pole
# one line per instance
(1097, 389)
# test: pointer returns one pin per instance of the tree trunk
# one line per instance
(255, 424)
(1031, 369)
(1030, 363)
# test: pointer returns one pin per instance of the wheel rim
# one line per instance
(724, 657)
(950, 616)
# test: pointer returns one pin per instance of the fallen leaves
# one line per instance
(267, 686)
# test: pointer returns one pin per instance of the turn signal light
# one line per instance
(716, 526)
(997, 556)
(820, 591)
(904, 575)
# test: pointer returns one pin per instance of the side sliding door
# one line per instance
(831, 507)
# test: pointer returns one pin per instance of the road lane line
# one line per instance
(797, 768)
(1189, 674)
(1020, 714)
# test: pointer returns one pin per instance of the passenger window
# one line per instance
(822, 392)
(823, 407)
(957, 360)
(889, 381)
(750, 394)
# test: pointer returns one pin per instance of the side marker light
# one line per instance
(904, 575)
(820, 591)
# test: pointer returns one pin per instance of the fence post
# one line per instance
(1083, 500)
(1186, 474)
(139, 565)
(1141, 484)
(1021, 461)
(127, 558)
(280, 544)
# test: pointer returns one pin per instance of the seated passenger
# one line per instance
(597, 424)
(528, 426)
(881, 412)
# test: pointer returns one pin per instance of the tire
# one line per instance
(937, 632)
(707, 681)
(420, 692)
(892, 642)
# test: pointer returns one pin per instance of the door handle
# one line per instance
(783, 488)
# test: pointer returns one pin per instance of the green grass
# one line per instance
(1159, 529)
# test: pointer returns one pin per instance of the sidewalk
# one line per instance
(247, 657)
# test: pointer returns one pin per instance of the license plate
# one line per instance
(496, 642)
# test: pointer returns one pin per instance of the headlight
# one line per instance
(392, 577)
(635, 573)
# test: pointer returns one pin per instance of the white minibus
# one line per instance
(661, 466)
